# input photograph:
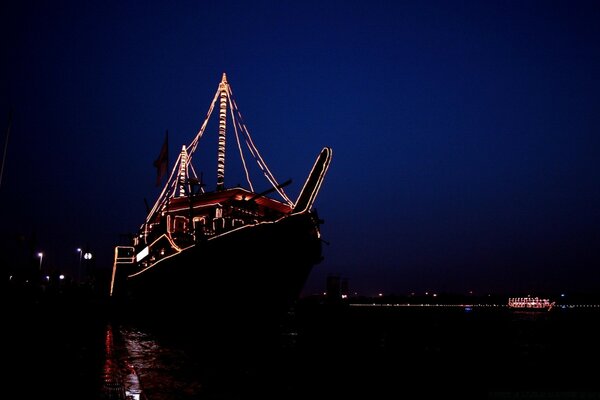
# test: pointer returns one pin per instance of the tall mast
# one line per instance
(183, 171)
(222, 123)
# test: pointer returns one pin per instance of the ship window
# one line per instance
(199, 224)
(218, 224)
(180, 224)
(199, 221)
(238, 222)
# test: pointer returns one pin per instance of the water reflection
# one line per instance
(120, 379)
(137, 366)
(112, 387)
(353, 353)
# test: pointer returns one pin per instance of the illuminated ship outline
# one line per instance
(530, 303)
(192, 239)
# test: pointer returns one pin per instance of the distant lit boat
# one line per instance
(530, 303)
(227, 250)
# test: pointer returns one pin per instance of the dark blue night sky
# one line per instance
(465, 134)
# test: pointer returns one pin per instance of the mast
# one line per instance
(222, 123)
(183, 171)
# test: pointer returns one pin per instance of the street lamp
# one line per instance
(87, 257)
(41, 256)
(79, 270)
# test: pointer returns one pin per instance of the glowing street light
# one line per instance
(87, 257)
(80, 251)
(41, 256)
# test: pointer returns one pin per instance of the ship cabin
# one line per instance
(186, 220)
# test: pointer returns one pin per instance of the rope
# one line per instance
(170, 187)
(237, 138)
(261, 163)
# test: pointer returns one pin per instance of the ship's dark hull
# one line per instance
(248, 276)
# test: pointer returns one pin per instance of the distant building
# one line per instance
(336, 288)
(344, 288)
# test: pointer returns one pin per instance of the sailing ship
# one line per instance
(228, 250)
(530, 303)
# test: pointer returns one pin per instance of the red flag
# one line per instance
(162, 162)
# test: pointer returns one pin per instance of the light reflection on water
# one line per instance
(327, 353)
(164, 362)
(145, 368)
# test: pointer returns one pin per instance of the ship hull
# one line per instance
(247, 277)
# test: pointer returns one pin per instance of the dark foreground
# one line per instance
(81, 349)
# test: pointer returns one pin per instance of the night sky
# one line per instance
(465, 134)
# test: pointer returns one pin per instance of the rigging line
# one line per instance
(240, 123)
(242, 126)
(196, 176)
(268, 174)
(259, 160)
(237, 138)
(206, 119)
(193, 170)
(192, 146)
(263, 166)
(162, 196)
